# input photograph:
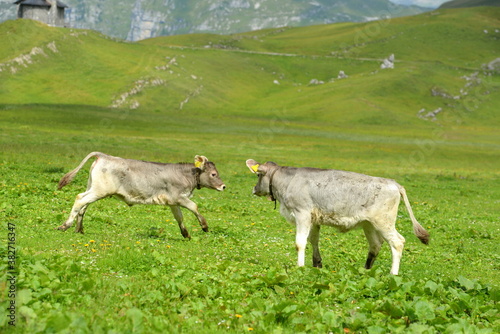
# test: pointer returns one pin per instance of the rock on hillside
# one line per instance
(140, 19)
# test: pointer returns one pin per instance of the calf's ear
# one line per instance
(253, 165)
(199, 161)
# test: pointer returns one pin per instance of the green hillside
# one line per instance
(248, 75)
(433, 49)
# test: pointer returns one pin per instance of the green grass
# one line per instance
(409, 38)
(132, 272)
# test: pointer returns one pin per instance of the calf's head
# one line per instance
(263, 172)
(209, 176)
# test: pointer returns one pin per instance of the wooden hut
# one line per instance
(50, 12)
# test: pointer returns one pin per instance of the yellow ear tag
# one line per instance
(197, 164)
(255, 167)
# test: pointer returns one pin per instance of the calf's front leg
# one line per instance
(303, 226)
(191, 206)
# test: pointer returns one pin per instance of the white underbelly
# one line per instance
(342, 223)
(160, 199)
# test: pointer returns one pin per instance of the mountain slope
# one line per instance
(411, 38)
(139, 19)
(444, 71)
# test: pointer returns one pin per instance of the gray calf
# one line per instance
(142, 182)
(313, 197)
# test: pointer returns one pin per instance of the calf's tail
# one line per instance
(418, 229)
(69, 177)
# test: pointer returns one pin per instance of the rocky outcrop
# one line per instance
(342, 75)
(140, 19)
(388, 62)
(8, 11)
(25, 60)
(146, 23)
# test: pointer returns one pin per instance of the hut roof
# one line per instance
(40, 3)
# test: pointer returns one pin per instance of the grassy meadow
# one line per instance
(248, 96)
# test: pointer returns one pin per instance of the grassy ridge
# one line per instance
(410, 38)
(468, 3)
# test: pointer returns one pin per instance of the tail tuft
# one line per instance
(422, 234)
(71, 175)
(64, 181)
(418, 229)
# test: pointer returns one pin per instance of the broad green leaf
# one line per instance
(88, 284)
(57, 322)
(27, 312)
(23, 297)
(392, 309)
(430, 287)
(137, 319)
(424, 310)
(331, 319)
(371, 283)
(417, 328)
(395, 282)
(466, 283)
(376, 330)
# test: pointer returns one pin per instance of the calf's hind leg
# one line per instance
(79, 220)
(396, 241)
(81, 203)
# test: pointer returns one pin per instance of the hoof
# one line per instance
(205, 229)
(61, 228)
